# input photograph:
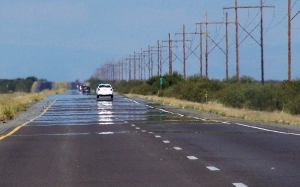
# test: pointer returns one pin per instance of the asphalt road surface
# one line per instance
(81, 141)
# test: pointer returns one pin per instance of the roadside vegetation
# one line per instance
(17, 85)
(247, 98)
(17, 95)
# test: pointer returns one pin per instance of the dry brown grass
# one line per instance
(217, 108)
(11, 104)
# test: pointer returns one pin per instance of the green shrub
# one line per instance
(233, 96)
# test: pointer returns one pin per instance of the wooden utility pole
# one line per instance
(158, 56)
(129, 67)
(249, 34)
(289, 41)
(149, 61)
(142, 64)
(183, 48)
(201, 58)
(170, 53)
(134, 65)
(227, 74)
(216, 44)
(159, 63)
(236, 38)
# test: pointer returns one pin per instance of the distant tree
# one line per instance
(32, 79)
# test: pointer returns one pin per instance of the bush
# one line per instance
(233, 96)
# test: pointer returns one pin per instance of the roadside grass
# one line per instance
(217, 108)
(11, 104)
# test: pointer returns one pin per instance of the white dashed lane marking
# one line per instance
(137, 128)
(192, 157)
(212, 168)
(239, 185)
(149, 106)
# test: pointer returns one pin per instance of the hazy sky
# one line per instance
(64, 40)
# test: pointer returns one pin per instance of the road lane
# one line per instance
(80, 141)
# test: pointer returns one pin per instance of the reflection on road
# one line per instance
(105, 114)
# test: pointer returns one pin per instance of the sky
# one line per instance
(65, 40)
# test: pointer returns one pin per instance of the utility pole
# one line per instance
(261, 43)
(152, 52)
(289, 41)
(201, 56)
(134, 65)
(129, 67)
(216, 44)
(159, 63)
(158, 58)
(183, 48)
(144, 64)
(149, 61)
(158, 55)
(170, 53)
(123, 69)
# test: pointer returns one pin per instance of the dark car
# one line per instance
(86, 90)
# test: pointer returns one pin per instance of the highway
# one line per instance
(81, 141)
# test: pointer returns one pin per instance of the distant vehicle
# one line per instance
(86, 90)
(80, 88)
(105, 90)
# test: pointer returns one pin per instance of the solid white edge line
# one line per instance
(166, 111)
(268, 130)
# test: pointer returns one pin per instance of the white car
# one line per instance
(105, 90)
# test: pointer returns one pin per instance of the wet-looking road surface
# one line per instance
(82, 141)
